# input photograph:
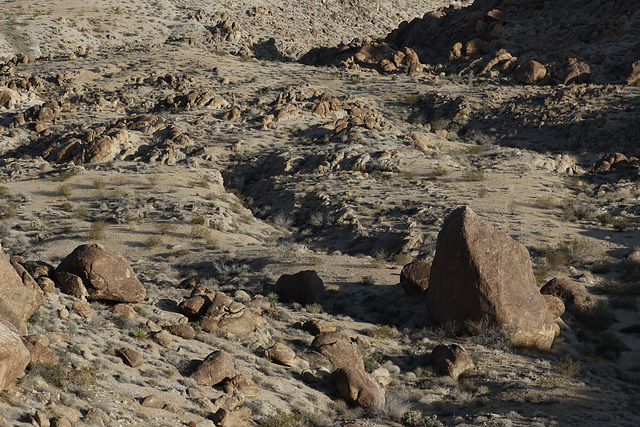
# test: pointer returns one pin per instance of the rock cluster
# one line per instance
(485, 39)
(215, 311)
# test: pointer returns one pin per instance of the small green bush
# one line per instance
(412, 100)
(63, 190)
(98, 230)
(153, 241)
(140, 333)
(385, 331)
(567, 367)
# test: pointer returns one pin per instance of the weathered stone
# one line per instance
(131, 357)
(83, 309)
(239, 418)
(182, 331)
(573, 294)
(243, 385)
(281, 353)
(529, 73)
(317, 326)
(104, 273)
(359, 388)
(339, 350)
(14, 356)
(304, 287)
(414, 278)
(229, 401)
(153, 401)
(479, 272)
(579, 73)
(214, 369)
(194, 306)
(451, 360)
(71, 284)
(163, 338)
(38, 346)
(20, 295)
(555, 304)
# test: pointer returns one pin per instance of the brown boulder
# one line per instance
(414, 278)
(239, 418)
(38, 346)
(451, 360)
(9, 98)
(339, 351)
(14, 356)
(214, 369)
(573, 294)
(153, 401)
(304, 287)
(227, 315)
(131, 357)
(20, 295)
(194, 306)
(480, 272)
(281, 353)
(555, 304)
(529, 73)
(104, 273)
(578, 73)
(359, 388)
(318, 326)
(182, 331)
(243, 385)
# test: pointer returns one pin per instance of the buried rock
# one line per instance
(105, 274)
(478, 271)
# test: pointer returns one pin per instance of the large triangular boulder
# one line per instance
(104, 273)
(479, 272)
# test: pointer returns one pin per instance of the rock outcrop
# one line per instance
(480, 272)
